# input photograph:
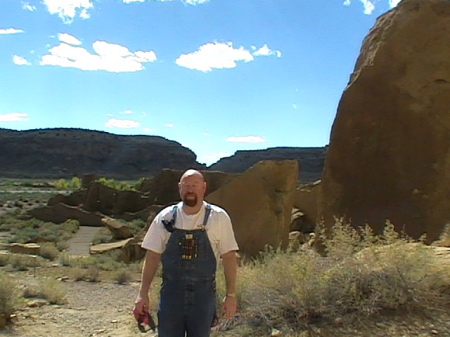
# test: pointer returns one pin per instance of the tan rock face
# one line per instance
(260, 202)
(389, 153)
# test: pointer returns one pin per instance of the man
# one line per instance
(189, 240)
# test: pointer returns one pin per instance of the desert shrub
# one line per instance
(24, 262)
(8, 294)
(49, 251)
(136, 225)
(49, 289)
(4, 260)
(444, 238)
(102, 236)
(62, 245)
(92, 274)
(361, 274)
(77, 274)
(70, 226)
(106, 261)
(65, 259)
(32, 230)
(122, 276)
(53, 291)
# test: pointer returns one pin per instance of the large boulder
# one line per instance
(25, 248)
(132, 250)
(260, 202)
(389, 152)
(130, 201)
(100, 198)
(118, 229)
(59, 213)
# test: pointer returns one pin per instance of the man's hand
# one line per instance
(229, 307)
(141, 305)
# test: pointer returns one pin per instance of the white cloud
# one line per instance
(10, 31)
(67, 10)
(130, 1)
(214, 56)
(170, 125)
(28, 7)
(246, 139)
(266, 51)
(369, 5)
(69, 39)
(393, 3)
(109, 57)
(127, 112)
(195, 2)
(20, 61)
(207, 134)
(122, 123)
(14, 117)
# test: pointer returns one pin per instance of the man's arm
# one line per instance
(149, 269)
(229, 305)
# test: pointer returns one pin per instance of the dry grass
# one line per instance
(8, 295)
(48, 289)
(362, 275)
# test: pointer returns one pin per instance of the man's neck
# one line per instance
(192, 210)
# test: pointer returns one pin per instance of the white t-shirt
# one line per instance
(218, 228)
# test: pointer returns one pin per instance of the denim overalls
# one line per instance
(188, 291)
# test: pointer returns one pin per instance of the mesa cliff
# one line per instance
(69, 152)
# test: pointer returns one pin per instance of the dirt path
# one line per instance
(80, 243)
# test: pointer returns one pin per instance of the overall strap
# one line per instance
(207, 212)
(170, 225)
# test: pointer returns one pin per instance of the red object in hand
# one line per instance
(145, 321)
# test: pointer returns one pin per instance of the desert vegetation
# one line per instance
(358, 277)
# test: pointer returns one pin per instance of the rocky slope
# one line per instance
(55, 153)
(64, 153)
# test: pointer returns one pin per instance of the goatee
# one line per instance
(191, 202)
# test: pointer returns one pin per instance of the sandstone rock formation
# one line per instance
(305, 201)
(58, 213)
(311, 160)
(119, 230)
(389, 154)
(259, 203)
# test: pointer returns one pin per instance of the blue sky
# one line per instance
(216, 76)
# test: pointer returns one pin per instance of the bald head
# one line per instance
(192, 173)
(192, 188)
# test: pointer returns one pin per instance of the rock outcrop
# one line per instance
(260, 202)
(310, 159)
(389, 153)
(58, 153)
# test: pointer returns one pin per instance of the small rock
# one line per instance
(435, 332)
(275, 333)
(36, 303)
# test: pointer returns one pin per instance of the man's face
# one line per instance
(192, 190)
